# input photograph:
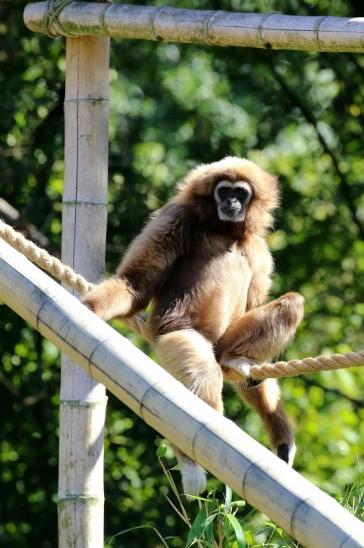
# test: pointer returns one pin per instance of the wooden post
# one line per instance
(83, 400)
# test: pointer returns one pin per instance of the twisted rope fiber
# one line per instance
(44, 260)
(50, 20)
(58, 270)
(258, 372)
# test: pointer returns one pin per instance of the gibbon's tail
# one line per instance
(193, 476)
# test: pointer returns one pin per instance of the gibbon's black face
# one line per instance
(232, 200)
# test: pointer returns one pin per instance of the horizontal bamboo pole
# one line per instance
(214, 28)
(309, 515)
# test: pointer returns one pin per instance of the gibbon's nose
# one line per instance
(233, 204)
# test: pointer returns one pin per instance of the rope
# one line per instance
(257, 372)
(60, 271)
(44, 260)
(50, 22)
(293, 368)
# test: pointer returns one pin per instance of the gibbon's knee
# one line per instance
(190, 358)
(290, 309)
(263, 332)
(266, 400)
(110, 299)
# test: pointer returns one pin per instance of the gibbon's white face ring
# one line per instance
(241, 215)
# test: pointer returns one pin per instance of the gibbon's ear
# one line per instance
(200, 181)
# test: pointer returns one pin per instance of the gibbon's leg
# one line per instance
(190, 358)
(261, 334)
(266, 400)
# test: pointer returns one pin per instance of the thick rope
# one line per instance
(50, 23)
(50, 20)
(257, 372)
(58, 270)
(44, 260)
(306, 365)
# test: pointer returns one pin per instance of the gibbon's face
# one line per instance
(232, 200)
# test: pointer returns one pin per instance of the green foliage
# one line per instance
(298, 114)
(216, 524)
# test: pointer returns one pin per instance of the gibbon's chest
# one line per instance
(229, 269)
(205, 289)
(220, 294)
(211, 270)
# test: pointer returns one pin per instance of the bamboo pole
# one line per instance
(309, 515)
(83, 399)
(215, 28)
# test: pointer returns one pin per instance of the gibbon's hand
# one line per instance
(111, 298)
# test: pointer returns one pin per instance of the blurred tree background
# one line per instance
(299, 115)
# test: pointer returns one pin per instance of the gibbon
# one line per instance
(203, 262)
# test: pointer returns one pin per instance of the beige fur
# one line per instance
(190, 357)
(207, 280)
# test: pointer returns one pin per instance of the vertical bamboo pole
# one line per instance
(83, 401)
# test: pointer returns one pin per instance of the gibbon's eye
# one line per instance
(241, 193)
(223, 192)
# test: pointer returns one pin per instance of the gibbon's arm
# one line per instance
(262, 267)
(150, 254)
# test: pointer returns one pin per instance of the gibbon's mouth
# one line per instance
(232, 214)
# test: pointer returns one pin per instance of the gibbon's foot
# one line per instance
(238, 369)
(283, 452)
(193, 478)
(287, 452)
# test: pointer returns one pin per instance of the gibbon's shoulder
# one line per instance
(174, 210)
(173, 220)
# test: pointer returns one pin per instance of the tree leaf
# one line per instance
(197, 528)
(238, 530)
(162, 450)
(228, 497)
(202, 524)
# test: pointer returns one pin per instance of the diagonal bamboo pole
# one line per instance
(214, 28)
(309, 515)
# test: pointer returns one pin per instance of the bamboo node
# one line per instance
(153, 23)
(208, 22)
(316, 30)
(260, 28)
